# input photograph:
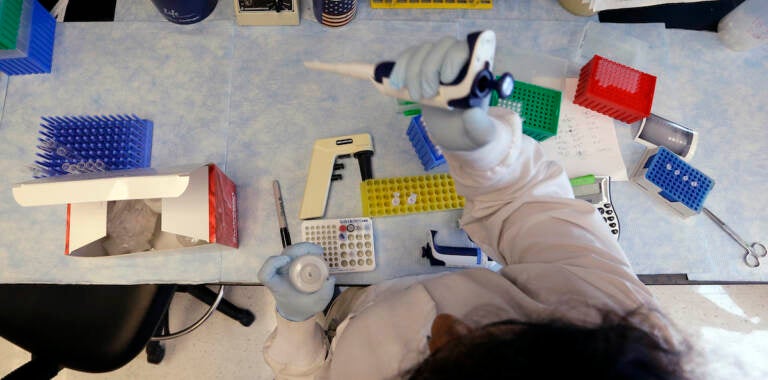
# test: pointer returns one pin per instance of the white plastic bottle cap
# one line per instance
(308, 273)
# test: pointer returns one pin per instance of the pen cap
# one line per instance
(308, 273)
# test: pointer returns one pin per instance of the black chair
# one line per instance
(156, 351)
(92, 328)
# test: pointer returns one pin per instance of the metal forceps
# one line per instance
(753, 252)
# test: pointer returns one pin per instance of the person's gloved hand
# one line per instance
(421, 69)
(292, 304)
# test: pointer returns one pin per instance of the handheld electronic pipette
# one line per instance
(474, 83)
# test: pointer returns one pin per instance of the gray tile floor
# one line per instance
(728, 326)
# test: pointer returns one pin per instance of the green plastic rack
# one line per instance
(539, 107)
(10, 17)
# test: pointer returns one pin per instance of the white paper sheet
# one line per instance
(586, 140)
(601, 5)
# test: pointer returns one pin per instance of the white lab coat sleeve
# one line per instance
(520, 210)
(296, 350)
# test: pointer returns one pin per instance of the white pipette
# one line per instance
(474, 83)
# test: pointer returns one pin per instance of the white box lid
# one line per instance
(105, 186)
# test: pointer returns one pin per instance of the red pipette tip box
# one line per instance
(616, 90)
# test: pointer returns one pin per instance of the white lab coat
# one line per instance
(560, 261)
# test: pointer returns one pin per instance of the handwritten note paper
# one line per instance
(586, 140)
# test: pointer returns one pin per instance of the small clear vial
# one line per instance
(308, 273)
(62, 151)
(69, 168)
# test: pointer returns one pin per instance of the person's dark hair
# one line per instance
(614, 349)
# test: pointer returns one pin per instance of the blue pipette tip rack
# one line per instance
(428, 153)
(672, 180)
(38, 57)
(117, 141)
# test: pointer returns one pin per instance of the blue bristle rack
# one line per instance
(114, 141)
(36, 56)
(674, 181)
(428, 153)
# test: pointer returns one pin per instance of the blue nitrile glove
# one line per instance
(421, 69)
(292, 304)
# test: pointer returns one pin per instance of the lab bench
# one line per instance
(240, 97)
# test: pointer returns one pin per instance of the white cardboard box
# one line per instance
(198, 201)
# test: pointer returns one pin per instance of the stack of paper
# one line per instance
(586, 141)
(601, 5)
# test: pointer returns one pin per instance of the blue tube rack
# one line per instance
(34, 51)
(428, 153)
(119, 141)
(673, 181)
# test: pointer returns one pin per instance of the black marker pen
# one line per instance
(285, 236)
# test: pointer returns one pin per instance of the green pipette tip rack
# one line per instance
(539, 107)
(10, 18)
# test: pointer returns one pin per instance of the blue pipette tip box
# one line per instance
(675, 182)
(119, 141)
(429, 155)
(38, 57)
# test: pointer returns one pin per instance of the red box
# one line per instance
(616, 90)
(222, 208)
